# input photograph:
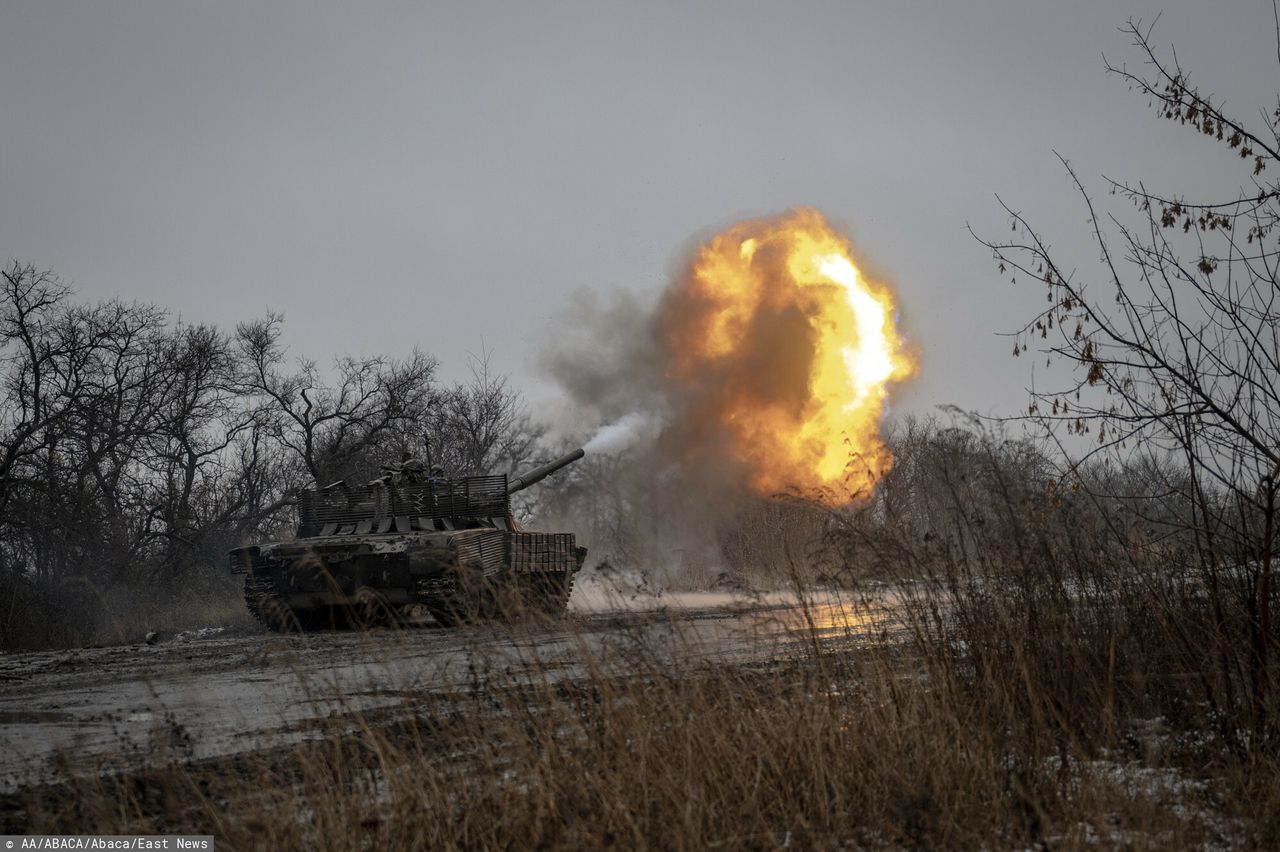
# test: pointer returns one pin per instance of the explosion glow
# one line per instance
(788, 350)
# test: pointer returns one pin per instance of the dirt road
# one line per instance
(208, 693)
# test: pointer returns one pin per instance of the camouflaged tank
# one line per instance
(373, 554)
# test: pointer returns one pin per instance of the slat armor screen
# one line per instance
(488, 550)
(458, 499)
(542, 551)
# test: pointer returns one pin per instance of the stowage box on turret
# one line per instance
(368, 554)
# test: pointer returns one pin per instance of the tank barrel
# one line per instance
(538, 474)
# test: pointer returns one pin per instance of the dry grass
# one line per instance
(1049, 687)
(912, 744)
(84, 614)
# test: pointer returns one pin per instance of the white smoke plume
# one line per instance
(622, 434)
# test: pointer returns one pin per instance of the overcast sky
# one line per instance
(447, 176)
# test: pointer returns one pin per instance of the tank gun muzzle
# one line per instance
(519, 483)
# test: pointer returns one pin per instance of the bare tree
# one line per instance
(135, 452)
(84, 388)
(482, 426)
(1174, 345)
(188, 455)
(43, 370)
(328, 426)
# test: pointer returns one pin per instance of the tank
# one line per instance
(378, 553)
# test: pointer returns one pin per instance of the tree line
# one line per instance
(136, 450)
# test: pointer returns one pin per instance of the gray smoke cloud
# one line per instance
(606, 359)
(658, 495)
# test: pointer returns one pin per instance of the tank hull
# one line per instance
(370, 554)
(356, 581)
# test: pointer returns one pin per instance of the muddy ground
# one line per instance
(214, 692)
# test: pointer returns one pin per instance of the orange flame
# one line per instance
(788, 350)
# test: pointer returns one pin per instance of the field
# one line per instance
(948, 712)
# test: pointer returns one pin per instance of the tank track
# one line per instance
(545, 593)
(258, 593)
(263, 600)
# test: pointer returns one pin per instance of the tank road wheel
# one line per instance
(447, 615)
(279, 617)
(325, 618)
(370, 609)
(473, 597)
(468, 609)
(460, 610)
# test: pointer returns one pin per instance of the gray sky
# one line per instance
(400, 174)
